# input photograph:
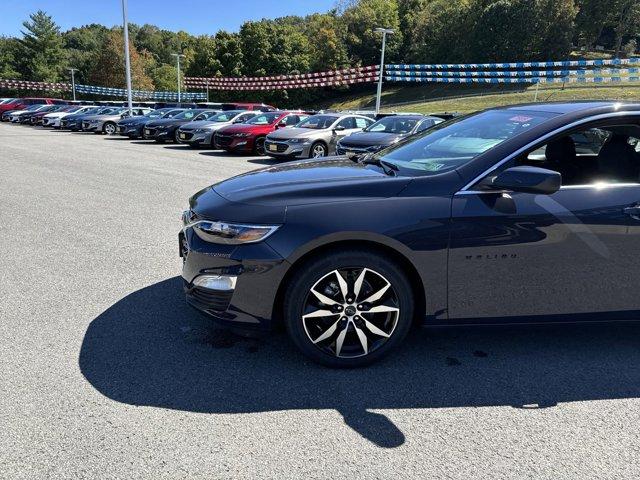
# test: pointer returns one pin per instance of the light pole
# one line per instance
(384, 32)
(73, 81)
(127, 62)
(178, 55)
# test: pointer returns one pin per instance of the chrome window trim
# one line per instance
(570, 126)
(590, 186)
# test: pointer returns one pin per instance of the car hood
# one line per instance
(310, 181)
(363, 139)
(166, 121)
(246, 128)
(57, 114)
(136, 120)
(205, 123)
(17, 112)
(292, 132)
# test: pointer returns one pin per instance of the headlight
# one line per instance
(375, 148)
(203, 130)
(297, 140)
(231, 233)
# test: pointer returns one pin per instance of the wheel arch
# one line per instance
(374, 246)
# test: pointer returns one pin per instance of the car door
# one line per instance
(341, 129)
(546, 257)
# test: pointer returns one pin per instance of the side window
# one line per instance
(362, 123)
(244, 117)
(347, 123)
(600, 154)
(428, 123)
(291, 120)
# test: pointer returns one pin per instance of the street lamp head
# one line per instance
(383, 30)
(178, 54)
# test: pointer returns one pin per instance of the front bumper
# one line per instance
(131, 131)
(196, 139)
(278, 149)
(156, 134)
(257, 271)
(91, 127)
(232, 143)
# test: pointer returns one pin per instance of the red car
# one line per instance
(22, 103)
(249, 137)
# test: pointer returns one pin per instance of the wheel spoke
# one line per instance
(375, 330)
(327, 333)
(344, 288)
(363, 340)
(378, 295)
(324, 299)
(319, 313)
(340, 339)
(358, 283)
(381, 309)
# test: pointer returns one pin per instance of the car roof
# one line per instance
(586, 107)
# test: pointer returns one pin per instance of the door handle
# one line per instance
(633, 211)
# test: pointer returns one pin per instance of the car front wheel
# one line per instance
(318, 150)
(109, 128)
(349, 308)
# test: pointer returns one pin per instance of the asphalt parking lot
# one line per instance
(107, 374)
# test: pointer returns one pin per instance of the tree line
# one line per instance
(426, 31)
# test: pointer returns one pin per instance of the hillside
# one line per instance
(468, 98)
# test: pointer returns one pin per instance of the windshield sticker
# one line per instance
(520, 118)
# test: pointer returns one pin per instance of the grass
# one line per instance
(433, 98)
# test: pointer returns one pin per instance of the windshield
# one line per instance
(264, 118)
(393, 124)
(186, 115)
(33, 107)
(452, 144)
(225, 116)
(317, 122)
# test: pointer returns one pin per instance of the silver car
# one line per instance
(106, 122)
(199, 133)
(314, 137)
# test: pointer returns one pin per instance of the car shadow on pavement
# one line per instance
(151, 349)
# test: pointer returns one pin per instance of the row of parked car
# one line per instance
(239, 128)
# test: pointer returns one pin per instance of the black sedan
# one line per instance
(385, 132)
(164, 129)
(489, 218)
(132, 126)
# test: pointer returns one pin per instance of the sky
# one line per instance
(193, 16)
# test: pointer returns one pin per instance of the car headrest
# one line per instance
(561, 150)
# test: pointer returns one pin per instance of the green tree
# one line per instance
(228, 54)
(360, 20)
(42, 53)
(109, 66)
(8, 52)
(327, 48)
(165, 77)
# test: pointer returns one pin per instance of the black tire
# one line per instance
(258, 146)
(352, 262)
(175, 136)
(316, 148)
(109, 128)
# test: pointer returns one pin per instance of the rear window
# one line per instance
(317, 122)
(264, 119)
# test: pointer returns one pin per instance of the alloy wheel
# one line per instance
(318, 151)
(110, 129)
(350, 312)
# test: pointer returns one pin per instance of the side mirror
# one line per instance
(528, 180)
(282, 124)
(338, 128)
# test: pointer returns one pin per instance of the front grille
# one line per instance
(223, 140)
(121, 129)
(211, 299)
(150, 131)
(186, 135)
(280, 147)
(85, 124)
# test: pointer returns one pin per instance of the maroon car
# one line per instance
(249, 137)
(22, 103)
(36, 118)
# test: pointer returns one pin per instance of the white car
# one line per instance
(53, 119)
(200, 133)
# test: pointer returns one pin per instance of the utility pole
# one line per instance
(178, 55)
(384, 32)
(73, 81)
(127, 61)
